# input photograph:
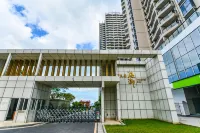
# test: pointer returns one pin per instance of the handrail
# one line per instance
(180, 28)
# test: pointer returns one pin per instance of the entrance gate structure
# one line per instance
(67, 115)
(129, 89)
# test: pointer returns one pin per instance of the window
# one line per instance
(195, 37)
(175, 52)
(186, 7)
(169, 57)
(170, 79)
(196, 70)
(198, 50)
(175, 77)
(172, 68)
(194, 57)
(38, 104)
(179, 65)
(23, 104)
(188, 43)
(186, 61)
(181, 47)
(189, 72)
(182, 75)
(33, 104)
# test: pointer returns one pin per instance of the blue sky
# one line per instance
(84, 94)
(58, 24)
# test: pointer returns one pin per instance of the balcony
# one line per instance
(166, 10)
(152, 18)
(156, 34)
(150, 10)
(161, 3)
(170, 29)
(158, 42)
(169, 19)
(156, 25)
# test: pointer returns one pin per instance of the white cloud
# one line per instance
(68, 22)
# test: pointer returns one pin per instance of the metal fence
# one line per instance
(67, 115)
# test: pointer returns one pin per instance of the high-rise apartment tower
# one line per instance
(111, 32)
(150, 23)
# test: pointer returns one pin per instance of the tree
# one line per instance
(97, 104)
(77, 104)
(57, 93)
(67, 96)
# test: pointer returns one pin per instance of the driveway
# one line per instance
(55, 128)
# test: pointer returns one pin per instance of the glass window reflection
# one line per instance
(188, 43)
(189, 72)
(194, 57)
(196, 37)
(186, 61)
(172, 68)
(175, 52)
(179, 65)
(196, 70)
(169, 57)
(181, 47)
(182, 75)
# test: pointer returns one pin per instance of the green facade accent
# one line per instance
(195, 80)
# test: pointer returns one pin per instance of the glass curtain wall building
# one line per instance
(183, 60)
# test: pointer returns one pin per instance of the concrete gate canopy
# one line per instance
(28, 75)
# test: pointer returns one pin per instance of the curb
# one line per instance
(29, 125)
(104, 129)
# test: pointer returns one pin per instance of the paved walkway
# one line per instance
(10, 124)
(100, 128)
(55, 128)
(192, 121)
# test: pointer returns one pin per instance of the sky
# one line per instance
(84, 94)
(54, 24)
(48, 24)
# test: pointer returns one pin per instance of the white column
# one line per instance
(102, 102)
(7, 64)
(38, 65)
(118, 103)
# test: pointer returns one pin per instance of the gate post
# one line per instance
(118, 103)
(102, 102)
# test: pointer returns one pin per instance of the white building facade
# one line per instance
(129, 89)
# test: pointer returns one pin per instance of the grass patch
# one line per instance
(151, 126)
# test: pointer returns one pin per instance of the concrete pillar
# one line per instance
(13, 69)
(90, 67)
(64, 68)
(75, 64)
(38, 64)
(106, 68)
(9, 68)
(19, 67)
(53, 68)
(85, 71)
(47, 67)
(59, 65)
(35, 67)
(112, 68)
(96, 68)
(80, 67)
(102, 102)
(25, 68)
(41, 68)
(7, 65)
(69, 68)
(118, 103)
